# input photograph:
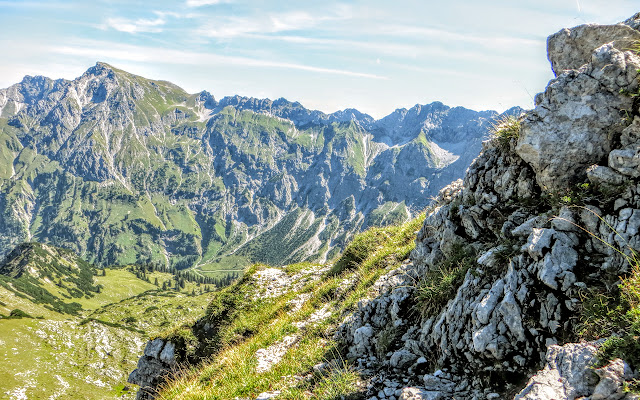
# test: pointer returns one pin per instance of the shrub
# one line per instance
(17, 313)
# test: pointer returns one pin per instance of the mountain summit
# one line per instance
(124, 169)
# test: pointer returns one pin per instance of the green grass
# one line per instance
(616, 316)
(240, 326)
(504, 130)
(614, 313)
(110, 336)
(389, 213)
(440, 284)
(54, 354)
(119, 284)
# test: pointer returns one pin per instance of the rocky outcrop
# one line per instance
(159, 360)
(570, 49)
(580, 116)
(570, 373)
(535, 252)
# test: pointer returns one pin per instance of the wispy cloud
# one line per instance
(116, 51)
(136, 26)
(150, 25)
(200, 3)
(376, 47)
(229, 27)
(448, 36)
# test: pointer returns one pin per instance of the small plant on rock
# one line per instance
(505, 129)
(440, 285)
(614, 315)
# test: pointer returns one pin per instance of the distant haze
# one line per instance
(371, 55)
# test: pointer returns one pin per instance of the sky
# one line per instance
(373, 55)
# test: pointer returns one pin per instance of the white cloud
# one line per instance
(136, 26)
(98, 50)
(444, 35)
(154, 25)
(229, 27)
(200, 3)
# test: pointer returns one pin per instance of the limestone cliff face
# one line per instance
(533, 259)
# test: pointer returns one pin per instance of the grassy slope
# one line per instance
(62, 357)
(244, 326)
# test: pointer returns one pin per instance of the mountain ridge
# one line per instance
(522, 282)
(123, 169)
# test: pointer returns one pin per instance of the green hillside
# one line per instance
(298, 320)
(70, 331)
(122, 169)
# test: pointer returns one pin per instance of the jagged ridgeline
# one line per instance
(122, 169)
(522, 283)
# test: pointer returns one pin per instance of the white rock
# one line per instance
(566, 375)
(572, 48)
(538, 241)
(612, 377)
(412, 393)
(573, 124)
(268, 395)
(626, 161)
(489, 301)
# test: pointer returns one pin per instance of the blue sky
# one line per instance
(372, 55)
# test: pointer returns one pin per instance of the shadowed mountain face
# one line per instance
(48, 275)
(124, 169)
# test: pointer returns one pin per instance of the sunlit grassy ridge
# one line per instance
(245, 324)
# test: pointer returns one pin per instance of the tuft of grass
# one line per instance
(440, 285)
(504, 130)
(340, 383)
(614, 314)
(624, 322)
(362, 246)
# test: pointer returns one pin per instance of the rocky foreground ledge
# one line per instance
(552, 212)
(492, 303)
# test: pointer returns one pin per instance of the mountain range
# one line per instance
(123, 169)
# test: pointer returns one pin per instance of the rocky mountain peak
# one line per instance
(208, 101)
(193, 180)
(436, 120)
